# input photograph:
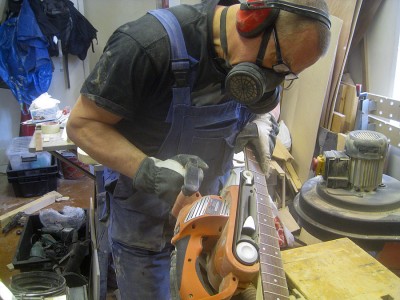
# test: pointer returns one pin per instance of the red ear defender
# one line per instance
(251, 21)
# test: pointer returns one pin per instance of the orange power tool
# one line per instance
(216, 254)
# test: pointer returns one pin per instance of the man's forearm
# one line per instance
(95, 134)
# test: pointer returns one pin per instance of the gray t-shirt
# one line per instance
(133, 77)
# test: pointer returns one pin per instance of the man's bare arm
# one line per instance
(91, 129)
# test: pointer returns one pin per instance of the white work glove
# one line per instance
(261, 133)
(165, 178)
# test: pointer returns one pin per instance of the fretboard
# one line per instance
(273, 277)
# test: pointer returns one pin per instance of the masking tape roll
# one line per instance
(50, 127)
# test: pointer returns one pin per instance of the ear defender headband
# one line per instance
(255, 16)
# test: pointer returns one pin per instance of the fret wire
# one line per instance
(264, 195)
(277, 257)
(265, 224)
(275, 261)
(276, 294)
(275, 284)
(275, 237)
(273, 247)
(280, 266)
(282, 283)
(263, 204)
(269, 232)
(267, 273)
(268, 213)
(268, 216)
(265, 263)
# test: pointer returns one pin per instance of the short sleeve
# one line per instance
(116, 81)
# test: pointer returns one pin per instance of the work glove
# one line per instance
(261, 132)
(165, 178)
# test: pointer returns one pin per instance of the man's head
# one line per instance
(301, 29)
(303, 40)
(277, 40)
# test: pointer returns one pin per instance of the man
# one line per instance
(131, 117)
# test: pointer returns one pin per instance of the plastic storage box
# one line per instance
(23, 260)
(33, 182)
(21, 159)
(44, 114)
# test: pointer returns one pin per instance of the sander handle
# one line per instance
(191, 185)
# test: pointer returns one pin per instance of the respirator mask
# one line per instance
(250, 84)
(256, 87)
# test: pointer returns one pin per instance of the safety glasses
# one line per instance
(281, 67)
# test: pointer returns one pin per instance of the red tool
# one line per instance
(224, 243)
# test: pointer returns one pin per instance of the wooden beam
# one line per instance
(38, 140)
(347, 11)
(350, 108)
(31, 207)
(338, 122)
(341, 141)
(278, 168)
(280, 152)
(296, 180)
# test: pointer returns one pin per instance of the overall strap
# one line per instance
(180, 60)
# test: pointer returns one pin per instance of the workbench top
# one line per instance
(79, 192)
(339, 269)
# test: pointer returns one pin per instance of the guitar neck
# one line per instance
(273, 277)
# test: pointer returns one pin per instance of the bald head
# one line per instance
(303, 39)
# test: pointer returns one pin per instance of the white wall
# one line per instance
(106, 16)
(382, 40)
(9, 118)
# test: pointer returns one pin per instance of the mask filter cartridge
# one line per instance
(247, 82)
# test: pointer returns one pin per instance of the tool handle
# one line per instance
(191, 184)
(193, 177)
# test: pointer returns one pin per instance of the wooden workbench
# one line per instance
(79, 191)
(338, 269)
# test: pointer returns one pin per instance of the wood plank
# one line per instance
(287, 219)
(341, 94)
(302, 105)
(307, 238)
(38, 140)
(347, 11)
(341, 141)
(293, 175)
(339, 269)
(295, 190)
(281, 199)
(31, 207)
(280, 152)
(338, 122)
(277, 168)
(350, 108)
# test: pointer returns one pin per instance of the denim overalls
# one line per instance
(140, 231)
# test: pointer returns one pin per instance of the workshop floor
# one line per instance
(79, 192)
